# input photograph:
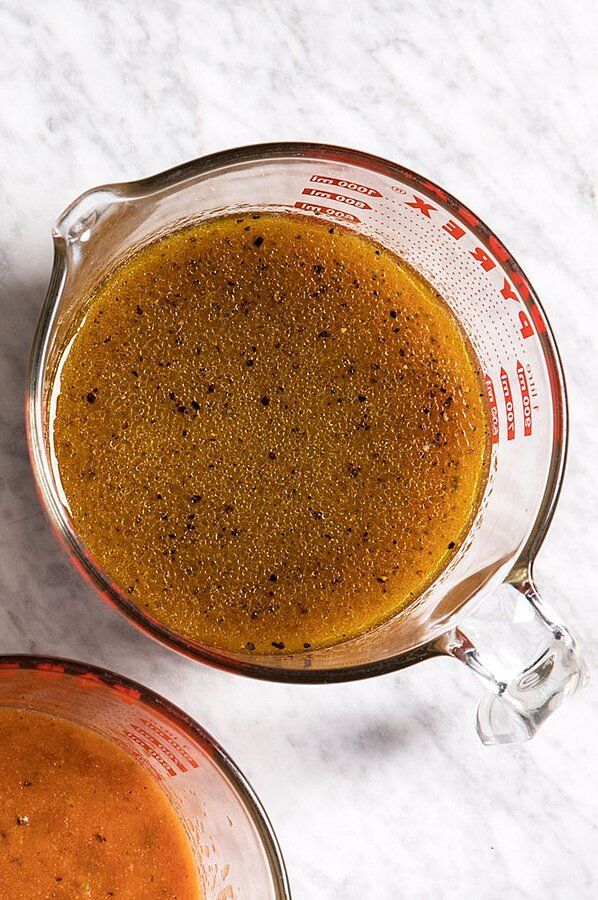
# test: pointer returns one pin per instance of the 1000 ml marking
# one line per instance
(525, 399)
(347, 185)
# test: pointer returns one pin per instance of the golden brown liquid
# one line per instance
(79, 818)
(271, 432)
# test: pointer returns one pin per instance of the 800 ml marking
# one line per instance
(342, 198)
(509, 407)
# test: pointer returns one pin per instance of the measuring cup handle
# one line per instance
(525, 657)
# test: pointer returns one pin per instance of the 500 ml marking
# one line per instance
(342, 198)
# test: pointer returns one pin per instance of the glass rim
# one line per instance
(210, 165)
(150, 698)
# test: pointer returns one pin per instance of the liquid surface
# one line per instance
(271, 432)
(80, 819)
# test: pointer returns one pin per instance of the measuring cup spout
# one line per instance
(75, 225)
(528, 661)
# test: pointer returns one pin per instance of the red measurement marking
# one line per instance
(434, 189)
(526, 326)
(160, 746)
(151, 752)
(482, 257)
(454, 229)
(129, 695)
(172, 741)
(519, 282)
(342, 198)
(507, 291)
(327, 210)
(90, 678)
(136, 754)
(525, 399)
(507, 393)
(421, 205)
(521, 285)
(498, 249)
(468, 216)
(493, 409)
(347, 185)
(537, 319)
(53, 670)
(10, 665)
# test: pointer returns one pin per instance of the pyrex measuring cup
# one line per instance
(235, 849)
(484, 608)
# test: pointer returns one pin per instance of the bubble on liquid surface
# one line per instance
(272, 434)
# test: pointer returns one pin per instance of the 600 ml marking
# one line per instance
(326, 210)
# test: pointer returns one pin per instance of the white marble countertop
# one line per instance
(378, 789)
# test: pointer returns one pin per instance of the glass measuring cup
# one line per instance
(484, 608)
(233, 844)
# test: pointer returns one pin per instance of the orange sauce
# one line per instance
(79, 818)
